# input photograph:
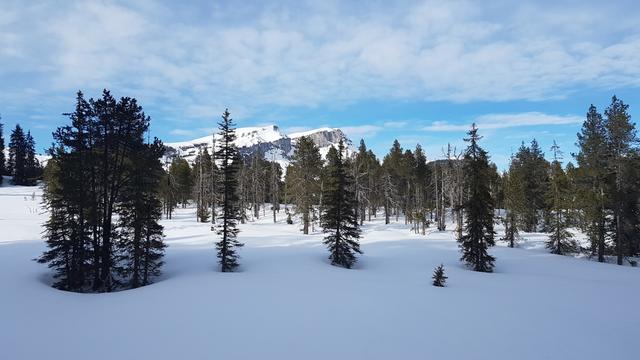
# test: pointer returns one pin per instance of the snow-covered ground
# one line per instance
(287, 302)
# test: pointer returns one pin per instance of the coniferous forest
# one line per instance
(107, 185)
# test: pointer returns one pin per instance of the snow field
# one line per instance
(287, 302)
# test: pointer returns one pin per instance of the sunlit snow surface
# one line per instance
(287, 302)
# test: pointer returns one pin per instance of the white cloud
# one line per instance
(395, 124)
(184, 132)
(504, 121)
(362, 131)
(194, 61)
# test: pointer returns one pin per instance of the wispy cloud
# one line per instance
(184, 132)
(395, 124)
(195, 60)
(504, 121)
(361, 131)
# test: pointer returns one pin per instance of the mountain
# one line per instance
(268, 140)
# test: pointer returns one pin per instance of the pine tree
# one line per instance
(394, 165)
(303, 179)
(168, 195)
(17, 164)
(2, 159)
(141, 245)
(100, 189)
(33, 171)
(478, 207)
(561, 240)
(339, 219)
(512, 193)
(530, 166)
(622, 143)
(228, 158)
(593, 179)
(182, 179)
(201, 184)
(439, 279)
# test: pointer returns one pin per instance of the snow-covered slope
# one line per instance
(288, 302)
(268, 140)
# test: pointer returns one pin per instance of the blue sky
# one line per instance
(418, 71)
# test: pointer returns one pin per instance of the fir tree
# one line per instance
(439, 279)
(531, 168)
(228, 158)
(2, 159)
(32, 166)
(181, 179)
(561, 240)
(202, 184)
(512, 201)
(17, 164)
(622, 143)
(593, 179)
(339, 219)
(141, 244)
(100, 189)
(303, 179)
(478, 230)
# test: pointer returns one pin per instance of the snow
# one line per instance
(311, 132)
(287, 302)
(246, 136)
(281, 148)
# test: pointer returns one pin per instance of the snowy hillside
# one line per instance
(287, 302)
(268, 140)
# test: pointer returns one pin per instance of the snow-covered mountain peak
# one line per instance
(268, 140)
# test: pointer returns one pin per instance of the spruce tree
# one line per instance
(622, 143)
(478, 233)
(182, 180)
(17, 164)
(439, 279)
(32, 166)
(201, 184)
(303, 179)
(2, 159)
(561, 240)
(593, 187)
(141, 246)
(101, 192)
(512, 193)
(530, 166)
(228, 158)
(339, 219)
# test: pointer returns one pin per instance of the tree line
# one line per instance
(106, 190)
(21, 165)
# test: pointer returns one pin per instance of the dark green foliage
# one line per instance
(439, 279)
(303, 179)
(512, 198)
(622, 147)
(181, 180)
(101, 170)
(22, 165)
(560, 241)
(202, 187)
(339, 219)
(141, 248)
(2, 159)
(478, 229)
(592, 179)
(228, 158)
(531, 169)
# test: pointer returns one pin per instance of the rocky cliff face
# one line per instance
(268, 140)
